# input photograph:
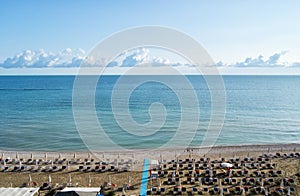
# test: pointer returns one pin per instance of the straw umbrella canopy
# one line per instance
(129, 180)
(230, 173)
(241, 183)
(193, 169)
(221, 191)
(288, 190)
(243, 192)
(49, 179)
(89, 181)
(109, 179)
(160, 157)
(67, 165)
(159, 182)
(210, 173)
(281, 184)
(258, 167)
(179, 182)
(266, 192)
(220, 183)
(69, 180)
(133, 162)
(29, 180)
(123, 191)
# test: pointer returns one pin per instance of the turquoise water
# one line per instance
(36, 112)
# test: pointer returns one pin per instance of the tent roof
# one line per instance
(154, 162)
(81, 189)
(226, 165)
(75, 191)
(18, 191)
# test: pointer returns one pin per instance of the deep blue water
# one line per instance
(36, 111)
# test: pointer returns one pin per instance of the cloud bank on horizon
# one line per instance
(42, 58)
(69, 58)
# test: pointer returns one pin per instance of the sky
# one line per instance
(234, 33)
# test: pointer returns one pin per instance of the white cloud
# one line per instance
(138, 57)
(41, 58)
(143, 56)
(74, 57)
(260, 61)
(296, 64)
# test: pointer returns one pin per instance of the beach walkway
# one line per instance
(143, 188)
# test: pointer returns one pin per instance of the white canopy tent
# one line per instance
(82, 191)
(227, 165)
(18, 191)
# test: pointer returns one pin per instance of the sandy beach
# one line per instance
(139, 155)
(132, 160)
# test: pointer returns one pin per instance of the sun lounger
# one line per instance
(88, 168)
(226, 190)
(195, 191)
(259, 190)
(45, 186)
(64, 167)
(24, 168)
(215, 190)
(55, 168)
(226, 181)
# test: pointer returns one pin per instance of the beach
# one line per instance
(131, 164)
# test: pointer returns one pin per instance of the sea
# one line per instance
(38, 113)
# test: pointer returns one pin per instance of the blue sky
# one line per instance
(229, 30)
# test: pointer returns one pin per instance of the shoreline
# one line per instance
(139, 154)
